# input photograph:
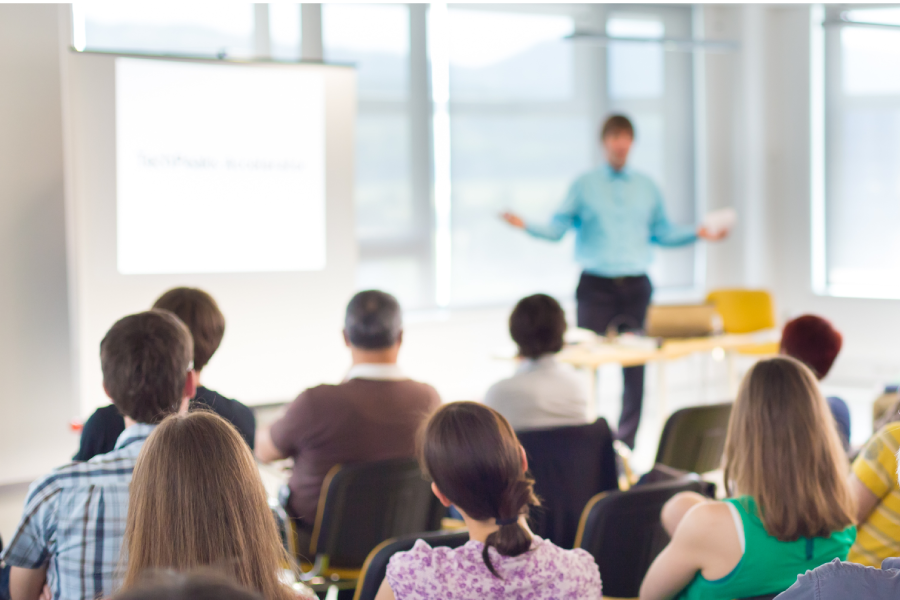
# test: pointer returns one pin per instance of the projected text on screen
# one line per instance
(220, 168)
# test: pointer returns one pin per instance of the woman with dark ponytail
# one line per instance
(477, 465)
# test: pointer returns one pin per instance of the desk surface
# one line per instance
(592, 355)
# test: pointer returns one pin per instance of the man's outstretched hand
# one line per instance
(710, 236)
(513, 219)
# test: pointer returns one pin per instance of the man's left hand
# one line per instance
(712, 236)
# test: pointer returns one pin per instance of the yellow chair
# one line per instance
(746, 311)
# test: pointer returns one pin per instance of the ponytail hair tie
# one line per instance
(509, 521)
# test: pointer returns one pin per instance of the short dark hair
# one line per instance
(203, 585)
(373, 320)
(199, 311)
(813, 341)
(537, 325)
(145, 360)
(616, 124)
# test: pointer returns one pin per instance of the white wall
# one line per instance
(36, 386)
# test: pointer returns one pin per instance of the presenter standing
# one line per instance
(617, 215)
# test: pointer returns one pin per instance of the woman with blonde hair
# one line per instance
(790, 508)
(197, 501)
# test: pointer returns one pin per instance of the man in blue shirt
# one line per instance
(617, 215)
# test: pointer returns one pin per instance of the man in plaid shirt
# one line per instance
(71, 531)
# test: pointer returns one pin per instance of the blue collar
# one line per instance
(136, 433)
(625, 173)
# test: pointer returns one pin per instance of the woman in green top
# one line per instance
(791, 511)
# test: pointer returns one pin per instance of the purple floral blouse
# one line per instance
(546, 572)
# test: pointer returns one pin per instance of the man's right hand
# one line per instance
(513, 219)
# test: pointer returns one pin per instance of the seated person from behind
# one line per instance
(74, 520)
(791, 508)
(478, 466)
(373, 415)
(816, 343)
(199, 311)
(188, 512)
(543, 393)
(873, 483)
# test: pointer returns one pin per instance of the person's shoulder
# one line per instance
(106, 413)
(220, 404)
(500, 388)
(837, 579)
(891, 430)
(420, 390)
(697, 523)
(80, 474)
(414, 558)
(578, 567)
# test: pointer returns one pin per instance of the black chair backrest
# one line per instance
(375, 568)
(570, 465)
(367, 503)
(694, 438)
(623, 532)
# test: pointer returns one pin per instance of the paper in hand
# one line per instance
(721, 220)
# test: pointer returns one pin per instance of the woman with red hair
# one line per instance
(815, 342)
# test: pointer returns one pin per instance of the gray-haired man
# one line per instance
(373, 415)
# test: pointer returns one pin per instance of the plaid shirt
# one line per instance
(74, 521)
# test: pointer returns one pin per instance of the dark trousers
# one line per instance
(618, 303)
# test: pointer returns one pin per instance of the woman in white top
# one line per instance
(543, 392)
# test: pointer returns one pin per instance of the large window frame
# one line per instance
(827, 104)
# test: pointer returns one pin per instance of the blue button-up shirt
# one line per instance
(843, 580)
(616, 215)
(74, 522)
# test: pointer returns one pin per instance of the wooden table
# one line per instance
(591, 356)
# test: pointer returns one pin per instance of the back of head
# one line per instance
(202, 316)
(616, 124)
(813, 341)
(195, 586)
(196, 500)
(473, 456)
(145, 360)
(373, 320)
(783, 449)
(537, 325)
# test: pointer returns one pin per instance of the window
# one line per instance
(184, 28)
(520, 131)
(862, 151)
(284, 31)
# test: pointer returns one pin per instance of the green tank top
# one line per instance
(768, 566)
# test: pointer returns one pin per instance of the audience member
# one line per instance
(543, 392)
(816, 343)
(373, 415)
(188, 512)
(477, 465)
(873, 483)
(791, 508)
(74, 519)
(841, 580)
(194, 586)
(199, 311)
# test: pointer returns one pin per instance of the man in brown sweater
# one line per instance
(373, 415)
